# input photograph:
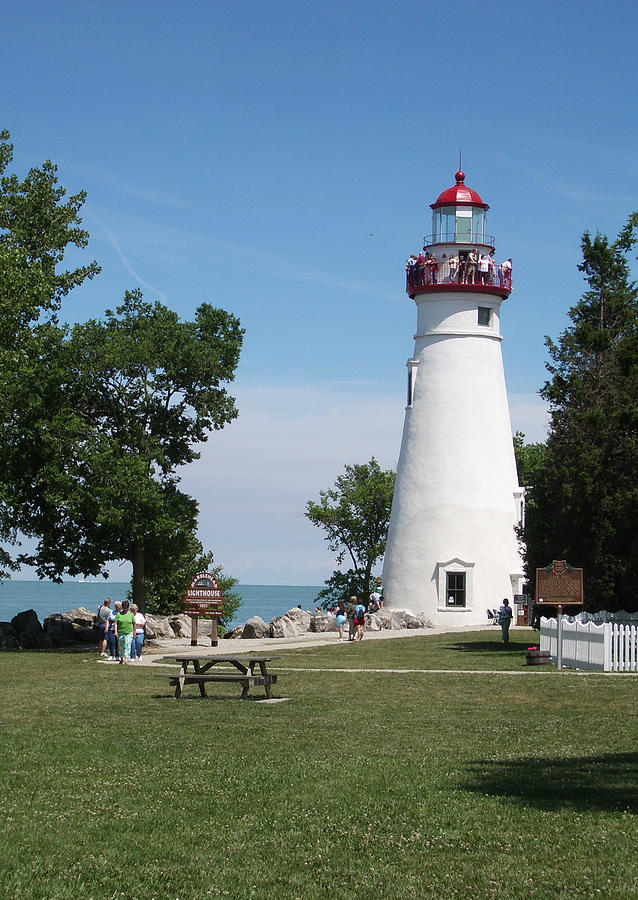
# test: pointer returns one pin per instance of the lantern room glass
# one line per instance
(458, 224)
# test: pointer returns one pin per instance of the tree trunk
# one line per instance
(139, 576)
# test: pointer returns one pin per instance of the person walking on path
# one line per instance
(360, 620)
(505, 619)
(341, 618)
(111, 639)
(102, 624)
(350, 607)
(138, 633)
(124, 625)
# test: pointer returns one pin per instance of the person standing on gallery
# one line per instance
(505, 619)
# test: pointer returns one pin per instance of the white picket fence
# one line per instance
(610, 647)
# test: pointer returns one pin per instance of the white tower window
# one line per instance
(484, 316)
(455, 588)
(455, 585)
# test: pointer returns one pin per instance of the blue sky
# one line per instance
(279, 160)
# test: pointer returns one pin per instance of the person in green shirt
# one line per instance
(124, 626)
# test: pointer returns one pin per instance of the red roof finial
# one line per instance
(460, 177)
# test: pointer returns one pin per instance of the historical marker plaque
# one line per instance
(559, 584)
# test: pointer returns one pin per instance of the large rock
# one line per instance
(182, 626)
(255, 627)
(158, 627)
(292, 624)
(234, 633)
(29, 632)
(320, 623)
(8, 637)
(379, 620)
(72, 627)
(81, 616)
(403, 619)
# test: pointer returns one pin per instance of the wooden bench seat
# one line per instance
(247, 681)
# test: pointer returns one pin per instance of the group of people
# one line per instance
(122, 630)
(353, 613)
(468, 267)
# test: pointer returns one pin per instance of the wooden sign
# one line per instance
(204, 597)
(559, 584)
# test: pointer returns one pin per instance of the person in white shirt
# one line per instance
(506, 273)
(484, 268)
(138, 633)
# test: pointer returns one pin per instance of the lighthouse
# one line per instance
(452, 549)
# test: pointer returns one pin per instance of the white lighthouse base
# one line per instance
(420, 586)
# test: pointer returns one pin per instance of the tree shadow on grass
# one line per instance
(595, 783)
(494, 646)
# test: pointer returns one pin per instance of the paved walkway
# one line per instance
(170, 647)
(182, 646)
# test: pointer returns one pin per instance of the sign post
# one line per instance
(559, 585)
(204, 599)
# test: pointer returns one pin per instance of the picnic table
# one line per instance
(245, 675)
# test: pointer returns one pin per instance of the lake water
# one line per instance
(45, 597)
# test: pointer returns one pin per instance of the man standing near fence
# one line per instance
(505, 620)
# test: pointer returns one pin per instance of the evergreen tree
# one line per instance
(585, 493)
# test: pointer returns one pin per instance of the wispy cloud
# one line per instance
(168, 242)
(115, 244)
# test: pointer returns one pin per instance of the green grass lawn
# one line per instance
(364, 784)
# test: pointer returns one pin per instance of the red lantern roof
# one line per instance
(459, 195)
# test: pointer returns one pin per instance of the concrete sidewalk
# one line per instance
(168, 647)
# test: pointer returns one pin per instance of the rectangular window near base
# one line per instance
(455, 589)
(484, 315)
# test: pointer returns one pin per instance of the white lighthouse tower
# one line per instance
(452, 550)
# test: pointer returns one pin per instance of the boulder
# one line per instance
(8, 637)
(374, 623)
(321, 623)
(410, 621)
(403, 619)
(255, 627)
(81, 616)
(379, 620)
(292, 624)
(182, 626)
(29, 632)
(158, 627)
(72, 627)
(234, 633)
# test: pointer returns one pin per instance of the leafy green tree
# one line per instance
(354, 515)
(136, 393)
(96, 420)
(585, 491)
(168, 576)
(37, 226)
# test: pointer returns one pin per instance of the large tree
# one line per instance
(136, 393)
(95, 420)
(38, 224)
(354, 515)
(585, 493)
